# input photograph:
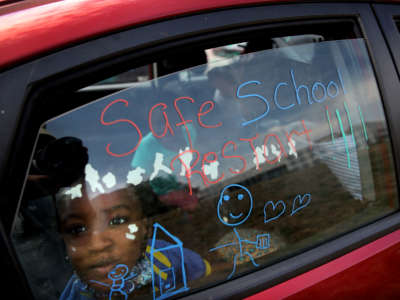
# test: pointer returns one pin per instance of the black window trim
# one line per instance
(388, 15)
(21, 83)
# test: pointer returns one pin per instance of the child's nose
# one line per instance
(100, 241)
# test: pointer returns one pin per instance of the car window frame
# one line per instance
(24, 86)
(386, 15)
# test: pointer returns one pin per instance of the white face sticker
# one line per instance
(75, 192)
(132, 229)
(109, 180)
(73, 249)
(135, 176)
(92, 177)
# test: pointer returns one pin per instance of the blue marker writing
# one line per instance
(253, 95)
(315, 87)
(276, 96)
(274, 207)
(297, 89)
(300, 202)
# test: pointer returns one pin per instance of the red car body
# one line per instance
(49, 25)
(31, 29)
(369, 272)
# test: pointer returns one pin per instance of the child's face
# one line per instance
(102, 232)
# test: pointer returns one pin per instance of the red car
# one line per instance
(209, 150)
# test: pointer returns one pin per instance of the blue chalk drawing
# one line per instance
(166, 288)
(274, 206)
(234, 220)
(299, 203)
(119, 276)
(225, 198)
(262, 241)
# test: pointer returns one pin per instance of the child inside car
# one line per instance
(106, 237)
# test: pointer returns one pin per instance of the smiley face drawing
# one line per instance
(235, 205)
(234, 208)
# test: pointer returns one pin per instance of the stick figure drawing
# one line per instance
(120, 281)
(234, 208)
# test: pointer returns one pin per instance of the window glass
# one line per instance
(173, 63)
(196, 177)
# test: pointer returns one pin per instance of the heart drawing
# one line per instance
(274, 206)
(300, 202)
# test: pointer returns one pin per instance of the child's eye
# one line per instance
(118, 220)
(76, 229)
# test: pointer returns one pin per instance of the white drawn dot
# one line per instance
(92, 177)
(135, 176)
(109, 180)
(74, 192)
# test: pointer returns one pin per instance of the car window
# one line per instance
(203, 170)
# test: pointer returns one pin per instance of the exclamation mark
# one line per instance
(363, 124)
(351, 125)
(330, 126)
(344, 138)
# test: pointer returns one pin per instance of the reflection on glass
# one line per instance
(199, 176)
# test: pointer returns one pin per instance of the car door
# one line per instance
(213, 155)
